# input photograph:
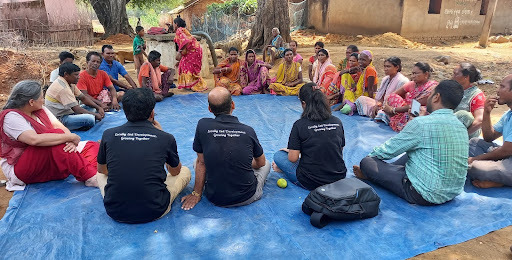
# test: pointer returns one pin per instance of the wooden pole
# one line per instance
(486, 30)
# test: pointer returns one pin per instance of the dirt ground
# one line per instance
(494, 62)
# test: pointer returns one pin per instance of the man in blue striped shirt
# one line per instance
(433, 171)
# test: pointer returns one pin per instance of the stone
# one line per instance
(444, 59)
(359, 37)
(501, 39)
(220, 54)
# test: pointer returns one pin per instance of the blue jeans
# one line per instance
(79, 121)
(289, 169)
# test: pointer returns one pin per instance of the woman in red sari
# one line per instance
(36, 147)
(190, 56)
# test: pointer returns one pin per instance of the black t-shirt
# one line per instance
(321, 147)
(228, 147)
(135, 154)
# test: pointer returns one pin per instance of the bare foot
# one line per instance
(275, 168)
(92, 182)
(358, 173)
(486, 184)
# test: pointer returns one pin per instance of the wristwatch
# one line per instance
(194, 193)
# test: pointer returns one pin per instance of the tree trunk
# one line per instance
(113, 17)
(270, 14)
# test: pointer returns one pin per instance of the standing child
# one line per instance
(139, 48)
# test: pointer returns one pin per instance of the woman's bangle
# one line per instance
(394, 113)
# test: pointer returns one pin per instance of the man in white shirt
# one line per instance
(63, 57)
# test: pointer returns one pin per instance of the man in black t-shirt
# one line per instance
(133, 156)
(230, 166)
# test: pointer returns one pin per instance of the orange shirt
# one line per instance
(93, 85)
(370, 72)
(144, 71)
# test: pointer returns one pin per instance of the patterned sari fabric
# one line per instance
(189, 68)
(342, 83)
(254, 78)
(278, 52)
(229, 80)
(398, 121)
(472, 100)
(343, 65)
(324, 75)
(157, 81)
(287, 74)
(165, 83)
(366, 105)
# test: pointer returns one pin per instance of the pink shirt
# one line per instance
(297, 57)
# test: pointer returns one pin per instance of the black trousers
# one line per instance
(392, 177)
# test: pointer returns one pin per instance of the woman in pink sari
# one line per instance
(399, 103)
(190, 57)
(254, 77)
(324, 73)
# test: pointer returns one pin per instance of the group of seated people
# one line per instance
(439, 148)
(98, 87)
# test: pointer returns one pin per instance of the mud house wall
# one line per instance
(68, 26)
(24, 9)
(61, 12)
(502, 21)
(194, 8)
(456, 18)
(198, 9)
(355, 16)
(28, 18)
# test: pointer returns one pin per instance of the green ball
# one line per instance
(282, 183)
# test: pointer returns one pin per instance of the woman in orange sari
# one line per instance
(324, 73)
(227, 73)
(190, 56)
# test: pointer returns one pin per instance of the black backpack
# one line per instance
(346, 199)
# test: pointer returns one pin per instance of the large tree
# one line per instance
(270, 14)
(112, 15)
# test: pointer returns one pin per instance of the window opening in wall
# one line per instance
(434, 7)
(483, 8)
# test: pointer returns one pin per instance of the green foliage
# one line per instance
(246, 7)
(148, 17)
(149, 11)
(158, 5)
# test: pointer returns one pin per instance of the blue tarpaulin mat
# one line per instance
(66, 220)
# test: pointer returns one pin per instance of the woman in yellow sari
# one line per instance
(289, 77)
(344, 80)
(227, 73)
(366, 84)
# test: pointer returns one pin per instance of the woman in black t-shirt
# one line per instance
(318, 139)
